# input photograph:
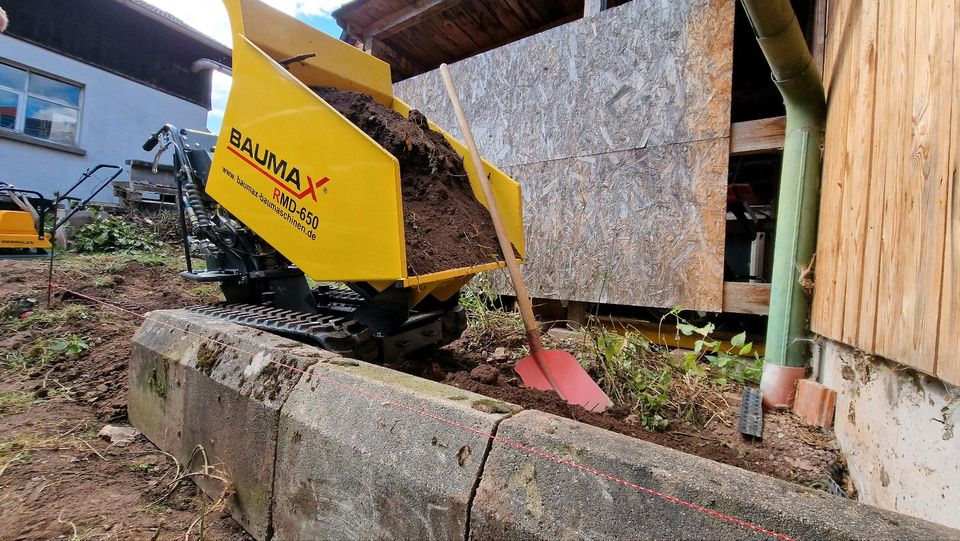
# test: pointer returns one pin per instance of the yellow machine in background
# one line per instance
(18, 230)
(23, 213)
(295, 188)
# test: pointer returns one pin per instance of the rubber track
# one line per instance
(339, 335)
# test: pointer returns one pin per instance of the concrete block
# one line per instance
(187, 391)
(815, 404)
(354, 463)
(525, 496)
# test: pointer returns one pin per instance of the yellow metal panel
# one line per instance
(452, 273)
(304, 178)
(505, 189)
(17, 230)
(339, 217)
(336, 63)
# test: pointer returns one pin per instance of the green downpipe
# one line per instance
(778, 32)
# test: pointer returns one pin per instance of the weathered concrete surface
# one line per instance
(350, 450)
(897, 428)
(186, 391)
(359, 466)
(522, 496)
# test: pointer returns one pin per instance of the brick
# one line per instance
(815, 404)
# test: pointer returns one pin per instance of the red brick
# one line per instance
(815, 404)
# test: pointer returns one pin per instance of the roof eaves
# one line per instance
(170, 21)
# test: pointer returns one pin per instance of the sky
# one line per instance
(210, 17)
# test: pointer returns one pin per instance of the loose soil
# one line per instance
(790, 449)
(444, 225)
(57, 478)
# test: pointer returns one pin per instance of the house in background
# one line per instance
(85, 82)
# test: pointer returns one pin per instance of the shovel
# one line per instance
(544, 370)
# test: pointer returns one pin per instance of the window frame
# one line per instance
(24, 94)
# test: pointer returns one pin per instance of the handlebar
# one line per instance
(151, 143)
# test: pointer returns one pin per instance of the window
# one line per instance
(39, 106)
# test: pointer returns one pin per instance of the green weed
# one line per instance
(44, 351)
(734, 363)
(659, 383)
(143, 467)
(114, 234)
(634, 372)
(205, 290)
(42, 318)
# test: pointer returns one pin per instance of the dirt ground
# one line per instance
(57, 478)
(444, 225)
(789, 450)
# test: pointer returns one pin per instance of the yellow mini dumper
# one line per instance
(294, 190)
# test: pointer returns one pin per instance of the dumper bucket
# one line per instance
(306, 179)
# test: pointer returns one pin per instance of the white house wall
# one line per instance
(117, 116)
(898, 430)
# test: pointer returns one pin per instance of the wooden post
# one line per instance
(576, 314)
(592, 7)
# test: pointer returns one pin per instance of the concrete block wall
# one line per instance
(339, 449)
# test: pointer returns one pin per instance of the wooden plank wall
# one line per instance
(617, 126)
(888, 252)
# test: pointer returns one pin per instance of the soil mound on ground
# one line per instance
(444, 225)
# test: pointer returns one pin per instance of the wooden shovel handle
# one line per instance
(526, 307)
(523, 298)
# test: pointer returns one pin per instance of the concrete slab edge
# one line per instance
(526, 495)
(506, 492)
(194, 380)
(369, 452)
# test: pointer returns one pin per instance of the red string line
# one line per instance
(423, 413)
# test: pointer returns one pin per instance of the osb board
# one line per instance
(886, 261)
(588, 245)
(617, 126)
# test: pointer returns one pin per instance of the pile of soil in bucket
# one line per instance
(444, 225)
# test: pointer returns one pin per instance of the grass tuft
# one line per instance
(14, 402)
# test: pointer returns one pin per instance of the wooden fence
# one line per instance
(888, 254)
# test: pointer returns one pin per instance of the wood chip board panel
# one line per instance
(617, 126)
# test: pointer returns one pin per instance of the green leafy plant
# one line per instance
(634, 372)
(71, 345)
(44, 351)
(661, 383)
(711, 357)
(114, 234)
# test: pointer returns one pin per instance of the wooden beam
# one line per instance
(406, 17)
(401, 64)
(746, 298)
(755, 136)
(819, 33)
(576, 314)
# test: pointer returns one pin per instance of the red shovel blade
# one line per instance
(575, 384)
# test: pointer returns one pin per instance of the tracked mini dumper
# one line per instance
(292, 189)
